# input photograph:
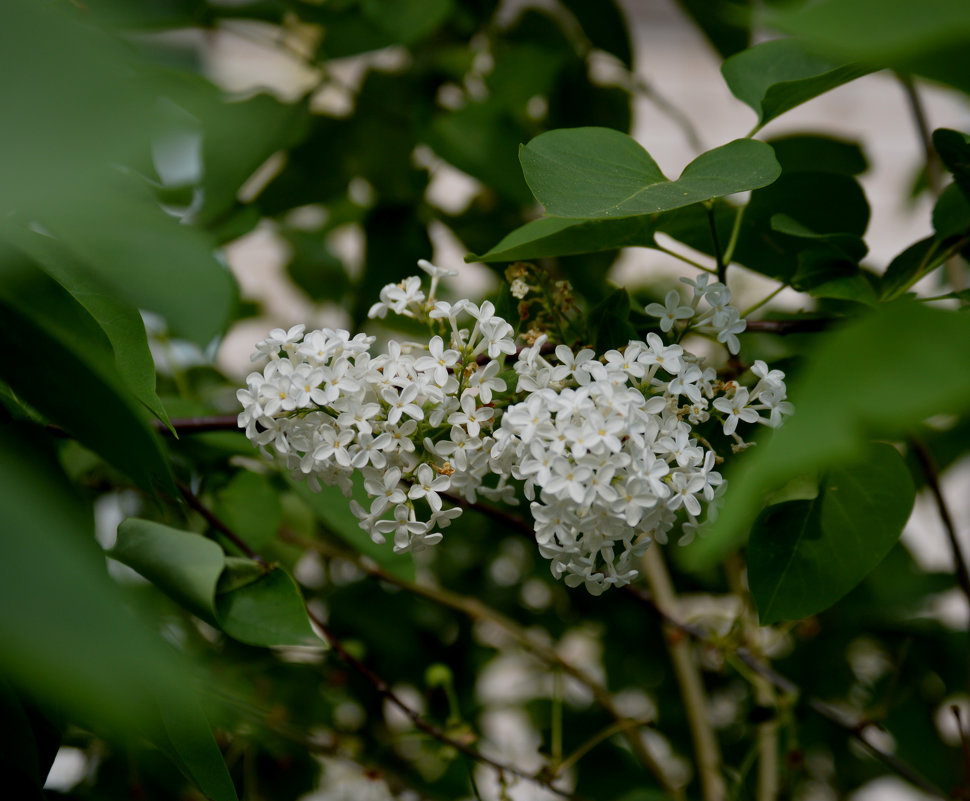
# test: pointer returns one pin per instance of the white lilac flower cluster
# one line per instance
(414, 421)
(605, 447)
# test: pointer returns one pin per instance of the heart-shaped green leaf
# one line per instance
(250, 603)
(805, 555)
(598, 173)
(776, 76)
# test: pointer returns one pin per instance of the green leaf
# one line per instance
(953, 148)
(564, 236)
(822, 202)
(189, 743)
(598, 172)
(818, 153)
(610, 320)
(253, 604)
(333, 510)
(120, 321)
(908, 267)
(929, 38)
(776, 76)
(875, 396)
(805, 555)
(69, 639)
(849, 246)
(951, 213)
(60, 361)
(159, 264)
(81, 120)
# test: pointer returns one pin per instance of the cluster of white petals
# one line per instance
(604, 447)
(414, 421)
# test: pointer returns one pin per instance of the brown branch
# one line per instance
(198, 425)
(384, 690)
(379, 684)
(193, 501)
(476, 610)
(932, 476)
(856, 730)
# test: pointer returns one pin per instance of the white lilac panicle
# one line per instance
(603, 446)
(412, 422)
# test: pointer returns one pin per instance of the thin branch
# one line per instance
(688, 675)
(198, 425)
(193, 501)
(476, 610)
(384, 690)
(854, 729)
(932, 476)
(379, 684)
(931, 161)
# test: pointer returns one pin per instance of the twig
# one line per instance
(193, 501)
(688, 676)
(381, 686)
(384, 690)
(855, 730)
(930, 473)
(931, 162)
(198, 425)
(476, 610)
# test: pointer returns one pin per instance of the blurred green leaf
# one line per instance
(253, 604)
(953, 148)
(120, 322)
(598, 172)
(874, 396)
(774, 77)
(805, 555)
(333, 510)
(929, 38)
(62, 364)
(58, 603)
(908, 267)
(951, 213)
